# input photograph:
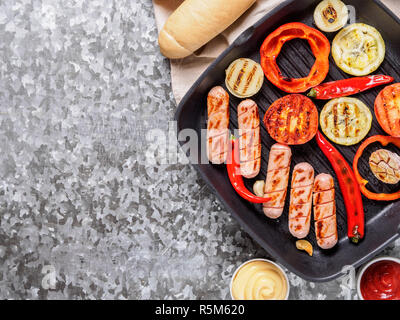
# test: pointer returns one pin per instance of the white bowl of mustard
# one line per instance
(259, 279)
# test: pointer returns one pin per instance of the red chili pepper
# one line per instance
(349, 187)
(347, 87)
(384, 141)
(233, 167)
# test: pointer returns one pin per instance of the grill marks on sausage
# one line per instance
(325, 211)
(217, 125)
(249, 138)
(277, 180)
(301, 200)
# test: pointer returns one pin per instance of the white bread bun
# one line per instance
(196, 22)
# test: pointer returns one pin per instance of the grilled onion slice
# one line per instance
(331, 15)
(385, 165)
(358, 49)
(244, 78)
(345, 121)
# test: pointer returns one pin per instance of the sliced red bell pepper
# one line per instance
(272, 46)
(384, 141)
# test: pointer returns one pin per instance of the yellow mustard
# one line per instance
(259, 280)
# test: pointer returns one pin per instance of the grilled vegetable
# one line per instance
(258, 188)
(387, 109)
(272, 46)
(244, 78)
(236, 179)
(347, 87)
(358, 49)
(385, 165)
(345, 121)
(348, 186)
(384, 141)
(305, 245)
(331, 15)
(292, 119)
(325, 211)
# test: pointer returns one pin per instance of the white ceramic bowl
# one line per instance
(364, 267)
(266, 260)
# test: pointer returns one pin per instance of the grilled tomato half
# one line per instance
(292, 119)
(358, 49)
(244, 78)
(345, 121)
(387, 109)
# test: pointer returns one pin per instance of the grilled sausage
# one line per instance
(325, 211)
(217, 125)
(249, 138)
(301, 200)
(277, 180)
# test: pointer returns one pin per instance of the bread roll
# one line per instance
(195, 22)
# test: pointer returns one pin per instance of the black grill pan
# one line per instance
(382, 218)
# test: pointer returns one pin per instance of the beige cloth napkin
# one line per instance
(184, 72)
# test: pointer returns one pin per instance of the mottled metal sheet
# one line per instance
(81, 83)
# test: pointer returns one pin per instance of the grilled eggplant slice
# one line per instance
(331, 15)
(358, 49)
(346, 120)
(385, 165)
(244, 78)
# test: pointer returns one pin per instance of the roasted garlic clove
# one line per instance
(385, 165)
(305, 245)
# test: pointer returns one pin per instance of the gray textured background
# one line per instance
(81, 83)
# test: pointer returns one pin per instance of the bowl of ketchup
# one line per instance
(379, 279)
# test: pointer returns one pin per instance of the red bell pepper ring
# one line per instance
(236, 179)
(349, 188)
(347, 87)
(272, 46)
(384, 141)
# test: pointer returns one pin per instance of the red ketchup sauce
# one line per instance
(381, 281)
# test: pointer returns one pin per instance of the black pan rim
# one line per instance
(267, 247)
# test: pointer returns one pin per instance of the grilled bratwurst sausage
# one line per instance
(277, 180)
(217, 125)
(301, 200)
(325, 211)
(249, 138)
